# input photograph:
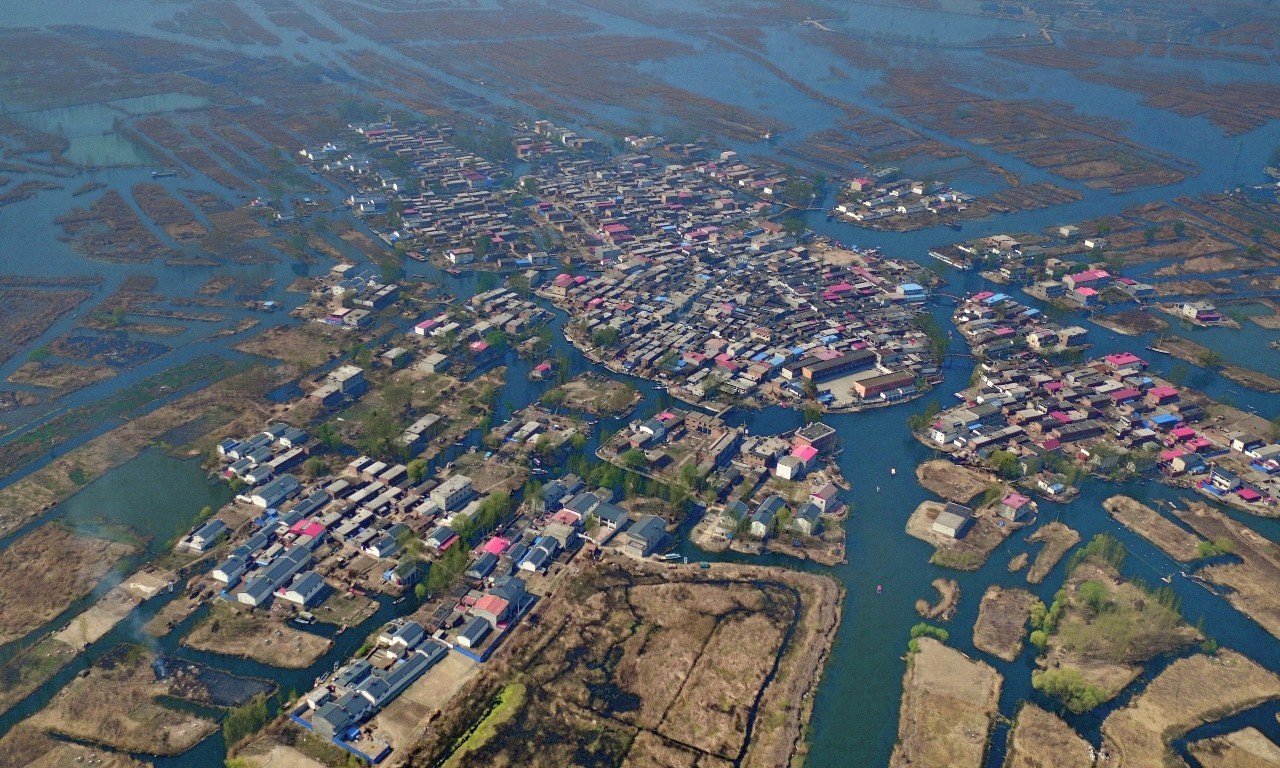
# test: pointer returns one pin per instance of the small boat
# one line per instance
(163, 174)
(1158, 350)
(454, 271)
(879, 589)
(416, 256)
(304, 618)
(893, 470)
(954, 225)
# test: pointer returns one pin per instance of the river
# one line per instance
(857, 703)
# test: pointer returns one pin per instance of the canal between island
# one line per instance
(856, 707)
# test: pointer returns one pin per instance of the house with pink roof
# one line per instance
(1014, 507)
(806, 453)
(1124, 360)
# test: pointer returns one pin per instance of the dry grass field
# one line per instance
(948, 703)
(1246, 748)
(1190, 692)
(1041, 739)
(639, 665)
(236, 631)
(1057, 538)
(952, 481)
(116, 705)
(1002, 621)
(42, 573)
(1155, 528)
(1109, 643)
(948, 599)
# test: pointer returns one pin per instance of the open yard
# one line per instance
(646, 666)
(1002, 621)
(594, 394)
(116, 705)
(234, 630)
(1057, 538)
(1178, 543)
(948, 704)
(1041, 739)
(1190, 692)
(42, 573)
(953, 482)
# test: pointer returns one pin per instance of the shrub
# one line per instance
(1219, 546)
(1068, 686)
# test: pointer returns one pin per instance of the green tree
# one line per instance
(1180, 228)
(1068, 686)
(245, 720)
(1039, 639)
(634, 459)
(1210, 359)
(416, 470)
(812, 413)
(1150, 233)
(1094, 596)
(313, 467)
(1005, 464)
(605, 337)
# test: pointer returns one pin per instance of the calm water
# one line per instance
(856, 708)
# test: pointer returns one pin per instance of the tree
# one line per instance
(1069, 687)
(812, 413)
(1179, 228)
(416, 470)
(919, 421)
(1039, 639)
(313, 468)
(634, 459)
(1094, 596)
(1210, 359)
(605, 337)
(496, 339)
(1150, 233)
(1005, 464)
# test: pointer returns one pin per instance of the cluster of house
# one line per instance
(871, 199)
(363, 687)
(757, 323)
(500, 309)
(996, 324)
(1103, 414)
(1085, 288)
(449, 201)
(1246, 474)
(356, 296)
(260, 458)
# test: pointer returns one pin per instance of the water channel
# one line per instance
(857, 703)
